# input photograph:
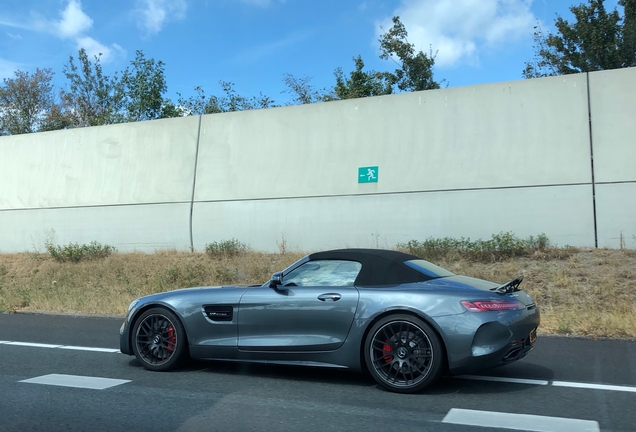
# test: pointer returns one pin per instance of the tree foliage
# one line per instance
(415, 71)
(362, 83)
(144, 85)
(25, 102)
(596, 40)
(92, 98)
(302, 90)
(229, 101)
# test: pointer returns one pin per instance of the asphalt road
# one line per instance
(216, 396)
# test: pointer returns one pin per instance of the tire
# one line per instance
(159, 340)
(403, 354)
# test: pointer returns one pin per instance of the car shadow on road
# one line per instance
(446, 385)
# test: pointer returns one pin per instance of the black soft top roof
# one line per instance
(379, 266)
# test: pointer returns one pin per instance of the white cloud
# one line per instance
(74, 21)
(74, 24)
(14, 36)
(460, 29)
(154, 14)
(94, 48)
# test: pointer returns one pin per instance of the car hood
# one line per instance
(177, 292)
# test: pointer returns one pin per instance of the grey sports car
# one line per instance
(403, 319)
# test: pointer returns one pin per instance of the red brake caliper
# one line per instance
(386, 349)
(172, 338)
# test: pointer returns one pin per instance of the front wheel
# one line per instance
(403, 354)
(159, 340)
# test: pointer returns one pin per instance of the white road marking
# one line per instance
(523, 422)
(76, 381)
(594, 386)
(31, 344)
(66, 347)
(81, 348)
(504, 379)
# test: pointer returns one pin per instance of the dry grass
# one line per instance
(36, 282)
(588, 292)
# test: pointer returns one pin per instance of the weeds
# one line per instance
(226, 249)
(75, 252)
(225, 275)
(282, 244)
(502, 246)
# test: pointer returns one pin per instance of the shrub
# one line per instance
(226, 248)
(75, 252)
(499, 247)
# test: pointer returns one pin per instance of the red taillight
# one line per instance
(491, 305)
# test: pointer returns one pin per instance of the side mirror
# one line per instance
(277, 280)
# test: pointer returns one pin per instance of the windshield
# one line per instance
(428, 269)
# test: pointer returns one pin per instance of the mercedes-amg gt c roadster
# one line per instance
(403, 319)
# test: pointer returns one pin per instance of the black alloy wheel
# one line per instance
(403, 354)
(159, 341)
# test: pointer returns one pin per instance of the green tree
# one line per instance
(55, 119)
(170, 110)
(415, 71)
(303, 92)
(596, 40)
(230, 101)
(361, 83)
(194, 105)
(25, 101)
(92, 98)
(144, 84)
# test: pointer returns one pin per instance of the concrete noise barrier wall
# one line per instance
(613, 120)
(550, 155)
(128, 185)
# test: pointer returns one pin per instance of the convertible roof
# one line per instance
(379, 266)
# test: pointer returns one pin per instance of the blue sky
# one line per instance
(253, 43)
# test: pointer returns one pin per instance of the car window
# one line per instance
(429, 269)
(324, 273)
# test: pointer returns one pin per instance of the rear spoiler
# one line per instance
(508, 287)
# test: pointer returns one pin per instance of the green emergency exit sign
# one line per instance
(368, 174)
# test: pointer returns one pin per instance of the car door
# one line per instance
(312, 309)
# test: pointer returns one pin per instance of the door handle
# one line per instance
(329, 297)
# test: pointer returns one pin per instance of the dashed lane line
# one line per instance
(524, 422)
(76, 381)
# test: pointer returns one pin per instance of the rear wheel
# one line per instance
(403, 354)
(159, 340)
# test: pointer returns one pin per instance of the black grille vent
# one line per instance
(219, 312)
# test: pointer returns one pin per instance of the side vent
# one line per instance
(219, 312)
